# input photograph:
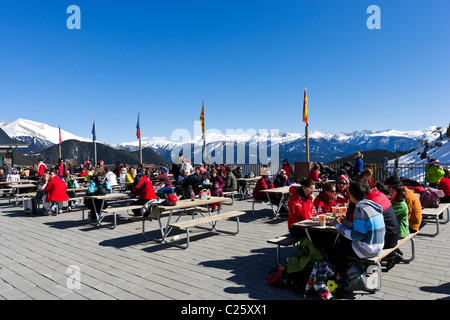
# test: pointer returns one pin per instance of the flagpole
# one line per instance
(60, 142)
(140, 141)
(306, 139)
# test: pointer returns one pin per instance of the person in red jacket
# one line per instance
(264, 183)
(40, 168)
(300, 205)
(444, 185)
(144, 189)
(327, 198)
(56, 192)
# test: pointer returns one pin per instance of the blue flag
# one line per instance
(93, 132)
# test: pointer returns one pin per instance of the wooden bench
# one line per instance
(230, 193)
(255, 201)
(283, 241)
(373, 268)
(212, 220)
(435, 213)
(110, 210)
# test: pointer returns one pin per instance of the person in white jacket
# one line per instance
(110, 177)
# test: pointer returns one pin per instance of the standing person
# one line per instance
(288, 168)
(40, 168)
(314, 173)
(61, 169)
(300, 205)
(434, 172)
(56, 193)
(358, 166)
(144, 189)
(444, 185)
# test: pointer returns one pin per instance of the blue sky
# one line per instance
(248, 60)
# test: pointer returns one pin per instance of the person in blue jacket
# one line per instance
(358, 166)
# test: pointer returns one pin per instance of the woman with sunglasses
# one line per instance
(300, 205)
(343, 196)
(327, 198)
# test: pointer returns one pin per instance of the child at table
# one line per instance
(216, 191)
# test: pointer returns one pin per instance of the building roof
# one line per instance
(8, 142)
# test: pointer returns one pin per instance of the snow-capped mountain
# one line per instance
(39, 135)
(323, 146)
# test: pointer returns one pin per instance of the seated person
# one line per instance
(144, 189)
(413, 203)
(282, 180)
(364, 238)
(191, 183)
(300, 205)
(264, 183)
(327, 198)
(342, 184)
(444, 185)
(99, 186)
(162, 180)
(56, 193)
(230, 181)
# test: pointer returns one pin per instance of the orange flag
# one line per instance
(202, 117)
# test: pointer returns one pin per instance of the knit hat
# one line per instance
(266, 172)
(343, 177)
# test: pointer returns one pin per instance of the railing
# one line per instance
(413, 171)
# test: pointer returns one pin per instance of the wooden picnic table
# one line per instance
(103, 198)
(183, 205)
(283, 191)
(249, 183)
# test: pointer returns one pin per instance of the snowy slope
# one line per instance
(29, 128)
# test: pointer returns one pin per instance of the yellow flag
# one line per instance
(305, 108)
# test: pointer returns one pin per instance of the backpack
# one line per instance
(278, 277)
(71, 184)
(429, 198)
(29, 206)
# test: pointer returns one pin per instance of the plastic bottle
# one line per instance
(192, 195)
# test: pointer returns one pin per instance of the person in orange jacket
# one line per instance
(56, 193)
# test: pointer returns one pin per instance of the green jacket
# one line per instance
(230, 182)
(308, 254)
(434, 173)
(401, 211)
